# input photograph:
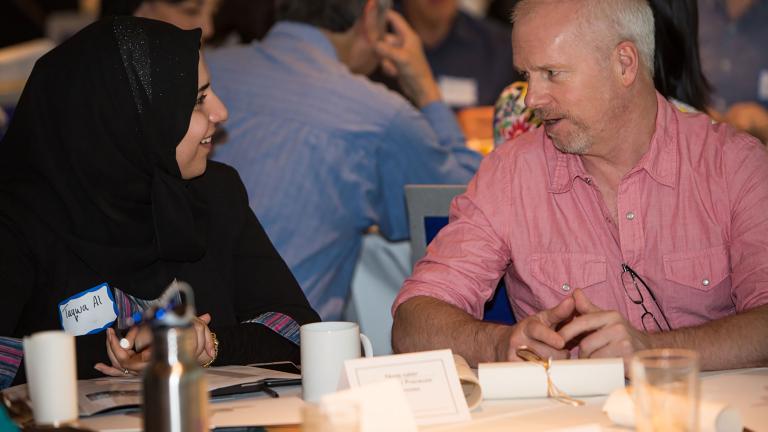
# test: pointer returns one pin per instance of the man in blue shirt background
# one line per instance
(323, 151)
(471, 57)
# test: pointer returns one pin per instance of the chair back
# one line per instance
(427, 214)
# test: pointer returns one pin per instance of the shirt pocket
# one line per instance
(564, 272)
(702, 270)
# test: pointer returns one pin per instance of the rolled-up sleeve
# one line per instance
(468, 257)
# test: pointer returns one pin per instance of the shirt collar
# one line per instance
(304, 33)
(660, 161)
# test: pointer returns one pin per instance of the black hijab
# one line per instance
(91, 152)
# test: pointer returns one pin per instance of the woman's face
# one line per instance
(192, 152)
(187, 14)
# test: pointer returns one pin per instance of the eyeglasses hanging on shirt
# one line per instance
(629, 280)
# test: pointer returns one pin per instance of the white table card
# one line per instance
(429, 379)
(381, 407)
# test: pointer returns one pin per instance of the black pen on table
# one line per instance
(265, 388)
(262, 387)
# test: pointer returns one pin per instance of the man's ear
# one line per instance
(627, 62)
(369, 21)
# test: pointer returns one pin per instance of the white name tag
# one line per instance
(762, 85)
(458, 92)
(429, 379)
(88, 312)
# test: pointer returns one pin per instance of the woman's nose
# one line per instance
(218, 112)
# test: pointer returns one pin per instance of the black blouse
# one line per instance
(240, 277)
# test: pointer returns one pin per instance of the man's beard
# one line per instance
(577, 142)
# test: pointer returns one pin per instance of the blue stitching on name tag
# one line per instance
(82, 293)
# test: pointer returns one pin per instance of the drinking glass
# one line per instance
(665, 389)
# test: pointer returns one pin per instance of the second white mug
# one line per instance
(324, 348)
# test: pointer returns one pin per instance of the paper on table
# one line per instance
(713, 416)
(259, 412)
(104, 394)
(232, 413)
(582, 377)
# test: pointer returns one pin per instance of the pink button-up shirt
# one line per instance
(693, 223)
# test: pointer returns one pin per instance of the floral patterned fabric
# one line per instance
(512, 118)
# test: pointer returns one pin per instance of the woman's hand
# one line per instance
(204, 350)
(131, 359)
(128, 360)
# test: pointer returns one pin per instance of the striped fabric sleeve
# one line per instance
(11, 352)
(128, 304)
(279, 323)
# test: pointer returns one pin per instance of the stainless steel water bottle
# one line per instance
(175, 389)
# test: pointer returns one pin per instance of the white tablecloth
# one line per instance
(745, 389)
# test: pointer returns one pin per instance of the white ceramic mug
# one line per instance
(324, 348)
(49, 361)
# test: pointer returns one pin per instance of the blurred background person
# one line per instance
(324, 152)
(471, 57)
(733, 36)
(678, 73)
(185, 14)
(22, 21)
(242, 21)
(501, 11)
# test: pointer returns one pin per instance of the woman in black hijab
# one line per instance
(106, 196)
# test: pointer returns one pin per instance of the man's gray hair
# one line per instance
(336, 16)
(621, 20)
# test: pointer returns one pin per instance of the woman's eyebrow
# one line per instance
(203, 87)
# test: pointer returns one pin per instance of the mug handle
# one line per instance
(367, 347)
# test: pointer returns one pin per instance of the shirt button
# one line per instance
(705, 282)
(630, 215)
(566, 287)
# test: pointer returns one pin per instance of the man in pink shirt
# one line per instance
(621, 224)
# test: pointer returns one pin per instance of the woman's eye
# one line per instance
(201, 99)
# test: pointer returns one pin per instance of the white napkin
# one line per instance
(713, 416)
(582, 377)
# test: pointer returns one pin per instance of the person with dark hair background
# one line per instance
(678, 73)
(247, 20)
(184, 14)
(106, 191)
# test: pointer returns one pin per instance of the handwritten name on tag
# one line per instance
(88, 312)
(429, 379)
